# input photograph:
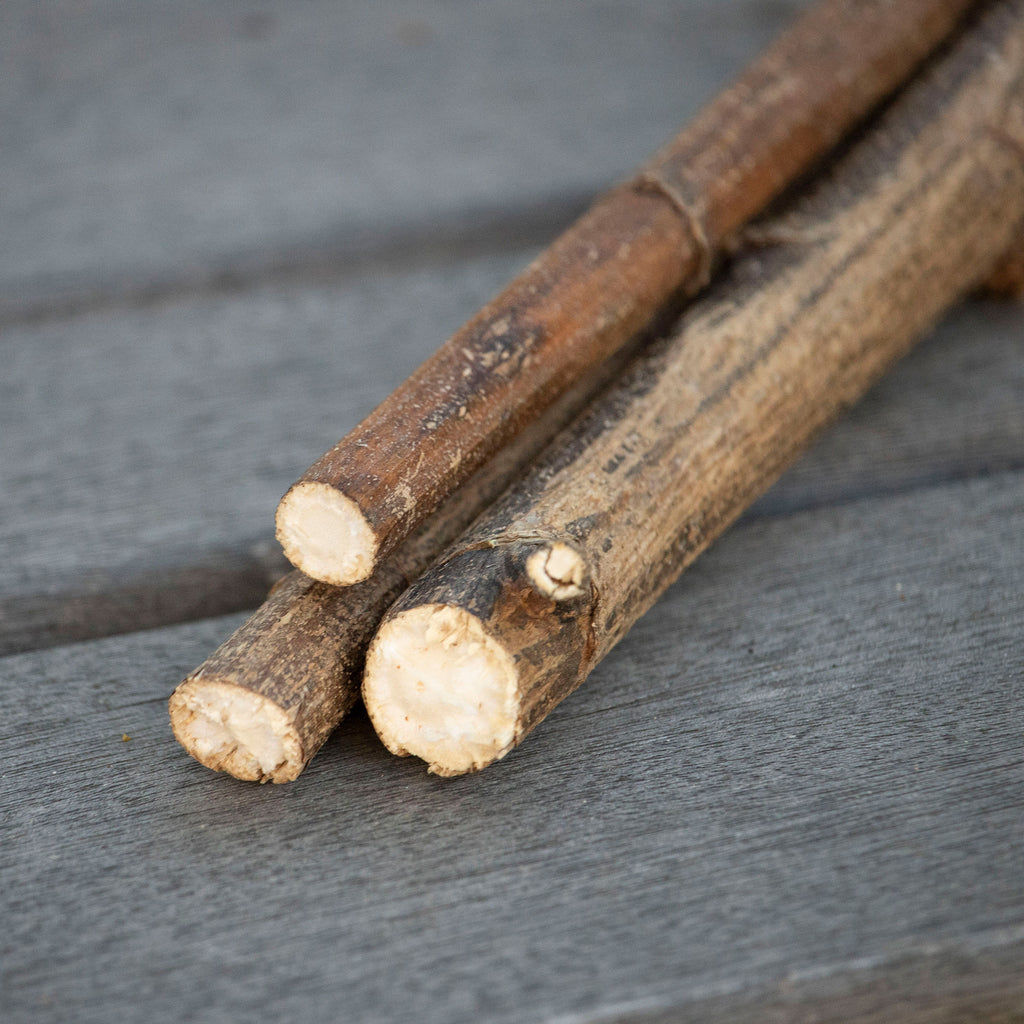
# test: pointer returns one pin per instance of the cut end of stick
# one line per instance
(557, 571)
(325, 534)
(233, 730)
(437, 685)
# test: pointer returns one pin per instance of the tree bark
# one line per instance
(517, 614)
(626, 263)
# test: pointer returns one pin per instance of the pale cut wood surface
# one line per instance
(802, 771)
(135, 491)
(145, 450)
(296, 666)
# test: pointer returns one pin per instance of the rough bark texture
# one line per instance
(833, 292)
(266, 700)
(626, 262)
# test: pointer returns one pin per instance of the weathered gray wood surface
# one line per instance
(803, 766)
(795, 793)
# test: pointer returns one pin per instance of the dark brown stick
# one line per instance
(477, 652)
(631, 257)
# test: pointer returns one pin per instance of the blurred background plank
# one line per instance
(168, 145)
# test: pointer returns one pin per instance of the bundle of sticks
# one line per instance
(473, 549)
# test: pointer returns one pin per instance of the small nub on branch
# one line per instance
(325, 534)
(557, 571)
(444, 690)
(231, 729)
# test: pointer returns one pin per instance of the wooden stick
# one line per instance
(477, 652)
(619, 268)
(266, 700)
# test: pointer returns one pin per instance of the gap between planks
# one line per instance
(180, 595)
(336, 258)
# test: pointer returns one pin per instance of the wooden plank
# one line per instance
(976, 986)
(145, 450)
(178, 143)
(801, 775)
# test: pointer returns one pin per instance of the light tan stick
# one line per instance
(478, 651)
(265, 701)
(623, 265)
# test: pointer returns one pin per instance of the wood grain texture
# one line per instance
(89, 402)
(979, 986)
(623, 267)
(477, 652)
(899, 437)
(799, 774)
(817, 793)
(196, 144)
